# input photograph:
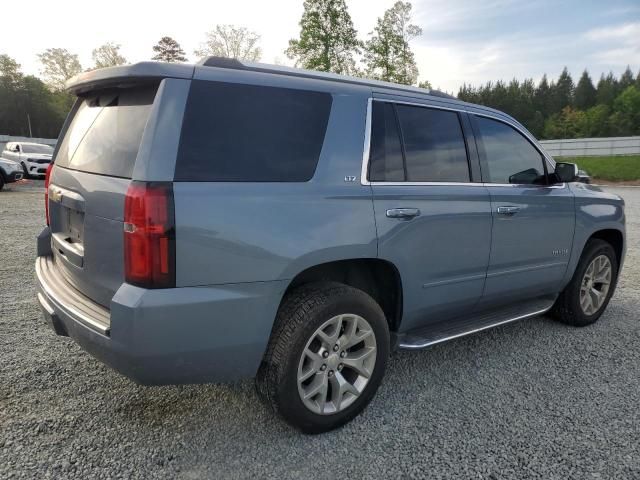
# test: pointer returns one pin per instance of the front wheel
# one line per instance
(585, 298)
(326, 357)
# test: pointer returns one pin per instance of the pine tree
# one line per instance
(607, 89)
(328, 41)
(388, 55)
(541, 98)
(626, 79)
(562, 92)
(585, 95)
(168, 50)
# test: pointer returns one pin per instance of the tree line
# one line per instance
(562, 109)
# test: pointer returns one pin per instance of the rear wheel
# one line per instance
(326, 357)
(587, 295)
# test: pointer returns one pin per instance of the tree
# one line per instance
(388, 55)
(9, 70)
(626, 79)
(562, 92)
(585, 94)
(168, 50)
(231, 42)
(328, 41)
(107, 55)
(607, 89)
(542, 97)
(425, 84)
(59, 65)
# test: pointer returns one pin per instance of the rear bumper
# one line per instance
(180, 335)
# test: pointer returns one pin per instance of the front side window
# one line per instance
(511, 158)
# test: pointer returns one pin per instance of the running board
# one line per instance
(441, 332)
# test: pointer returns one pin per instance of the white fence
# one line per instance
(4, 139)
(591, 147)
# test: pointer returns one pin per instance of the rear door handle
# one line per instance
(508, 210)
(406, 213)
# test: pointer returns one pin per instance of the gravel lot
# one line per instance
(531, 399)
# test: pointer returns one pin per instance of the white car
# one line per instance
(10, 171)
(33, 157)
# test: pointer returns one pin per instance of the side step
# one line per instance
(443, 331)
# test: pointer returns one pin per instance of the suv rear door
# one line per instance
(432, 213)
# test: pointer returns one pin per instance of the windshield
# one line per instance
(31, 148)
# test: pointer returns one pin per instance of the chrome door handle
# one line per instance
(508, 210)
(406, 213)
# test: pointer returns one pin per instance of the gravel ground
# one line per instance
(526, 400)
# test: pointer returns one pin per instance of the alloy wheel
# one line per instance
(595, 284)
(336, 364)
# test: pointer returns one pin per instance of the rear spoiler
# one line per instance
(126, 74)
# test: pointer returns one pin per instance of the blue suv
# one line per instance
(224, 220)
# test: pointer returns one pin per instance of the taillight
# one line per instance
(149, 235)
(47, 176)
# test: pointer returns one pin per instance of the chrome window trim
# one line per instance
(364, 171)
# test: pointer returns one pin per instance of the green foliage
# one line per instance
(328, 41)
(388, 55)
(558, 110)
(27, 95)
(168, 50)
(231, 42)
(585, 94)
(58, 66)
(613, 169)
(107, 55)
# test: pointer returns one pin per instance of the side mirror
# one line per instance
(566, 172)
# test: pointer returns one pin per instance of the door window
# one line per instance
(419, 145)
(510, 157)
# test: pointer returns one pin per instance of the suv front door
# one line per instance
(533, 220)
(433, 215)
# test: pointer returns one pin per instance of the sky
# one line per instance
(463, 41)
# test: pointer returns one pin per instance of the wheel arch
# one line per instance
(612, 236)
(378, 278)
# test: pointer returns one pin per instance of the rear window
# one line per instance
(247, 133)
(105, 133)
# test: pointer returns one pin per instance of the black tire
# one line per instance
(567, 308)
(1, 181)
(301, 313)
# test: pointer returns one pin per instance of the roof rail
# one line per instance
(235, 64)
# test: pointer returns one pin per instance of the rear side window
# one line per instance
(105, 133)
(247, 133)
(434, 145)
(386, 152)
(511, 158)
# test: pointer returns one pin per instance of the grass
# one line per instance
(613, 169)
